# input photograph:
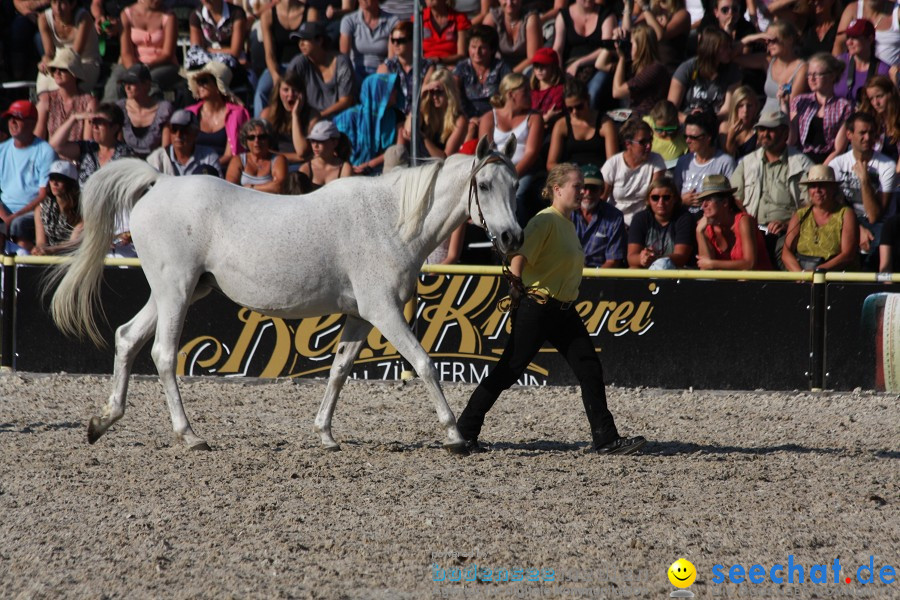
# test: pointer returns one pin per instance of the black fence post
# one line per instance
(818, 309)
(7, 304)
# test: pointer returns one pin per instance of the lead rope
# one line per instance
(516, 287)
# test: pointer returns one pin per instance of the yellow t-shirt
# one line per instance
(670, 149)
(553, 255)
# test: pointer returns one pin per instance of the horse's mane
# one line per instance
(416, 197)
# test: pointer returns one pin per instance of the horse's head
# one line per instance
(492, 195)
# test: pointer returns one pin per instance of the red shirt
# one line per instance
(544, 100)
(440, 44)
(736, 252)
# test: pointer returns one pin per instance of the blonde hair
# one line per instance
(555, 78)
(832, 64)
(646, 47)
(509, 83)
(440, 123)
(745, 92)
(557, 177)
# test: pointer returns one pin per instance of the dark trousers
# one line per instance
(533, 324)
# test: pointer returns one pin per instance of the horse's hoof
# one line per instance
(201, 446)
(458, 448)
(331, 447)
(94, 432)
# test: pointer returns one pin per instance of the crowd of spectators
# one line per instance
(712, 135)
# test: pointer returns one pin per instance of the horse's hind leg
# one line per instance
(395, 328)
(172, 311)
(130, 338)
(352, 337)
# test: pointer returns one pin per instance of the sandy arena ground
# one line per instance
(729, 478)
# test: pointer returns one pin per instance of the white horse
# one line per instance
(353, 247)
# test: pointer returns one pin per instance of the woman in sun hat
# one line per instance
(69, 96)
(57, 220)
(219, 111)
(824, 234)
(727, 237)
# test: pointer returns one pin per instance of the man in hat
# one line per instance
(183, 156)
(600, 226)
(867, 181)
(768, 179)
(24, 173)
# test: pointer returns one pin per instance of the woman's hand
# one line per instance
(702, 224)
(39, 251)
(703, 262)
(647, 257)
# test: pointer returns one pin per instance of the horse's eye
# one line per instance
(483, 186)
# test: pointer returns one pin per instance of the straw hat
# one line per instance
(714, 185)
(69, 60)
(220, 72)
(820, 174)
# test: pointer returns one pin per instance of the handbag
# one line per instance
(807, 262)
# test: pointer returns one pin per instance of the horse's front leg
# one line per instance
(130, 338)
(352, 337)
(396, 330)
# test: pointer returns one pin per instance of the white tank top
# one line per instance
(887, 43)
(521, 132)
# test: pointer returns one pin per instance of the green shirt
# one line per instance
(554, 258)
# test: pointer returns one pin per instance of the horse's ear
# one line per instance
(509, 148)
(483, 148)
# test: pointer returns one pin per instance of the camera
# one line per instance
(623, 47)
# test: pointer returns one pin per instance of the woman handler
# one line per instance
(550, 264)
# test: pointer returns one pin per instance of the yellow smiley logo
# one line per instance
(682, 573)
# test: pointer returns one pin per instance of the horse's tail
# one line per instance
(109, 194)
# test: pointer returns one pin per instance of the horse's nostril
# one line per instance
(505, 237)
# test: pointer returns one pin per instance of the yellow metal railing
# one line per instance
(805, 276)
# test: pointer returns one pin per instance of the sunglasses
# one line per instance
(205, 80)
(55, 70)
(725, 9)
(671, 129)
(398, 41)
(647, 142)
(575, 107)
(660, 197)
(262, 137)
(179, 128)
(688, 136)
(435, 92)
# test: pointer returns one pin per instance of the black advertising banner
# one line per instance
(658, 333)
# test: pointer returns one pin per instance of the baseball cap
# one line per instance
(545, 56)
(183, 118)
(322, 131)
(21, 109)
(773, 119)
(308, 31)
(136, 73)
(591, 174)
(64, 168)
(860, 28)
